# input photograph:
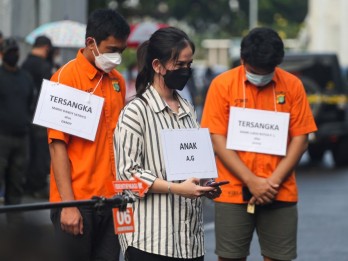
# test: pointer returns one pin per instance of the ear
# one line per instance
(156, 66)
(90, 43)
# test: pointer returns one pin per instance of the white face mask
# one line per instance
(107, 61)
(259, 80)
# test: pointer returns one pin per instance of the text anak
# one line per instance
(72, 104)
(259, 125)
(188, 146)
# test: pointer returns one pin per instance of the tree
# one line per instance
(213, 19)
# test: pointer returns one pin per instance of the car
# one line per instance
(326, 88)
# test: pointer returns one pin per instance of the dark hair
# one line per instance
(103, 23)
(42, 41)
(262, 48)
(9, 44)
(165, 44)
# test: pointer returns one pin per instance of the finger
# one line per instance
(195, 180)
(81, 227)
(270, 195)
(252, 200)
(75, 229)
(273, 185)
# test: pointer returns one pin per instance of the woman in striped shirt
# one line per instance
(168, 220)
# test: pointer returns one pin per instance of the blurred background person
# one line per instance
(1, 40)
(55, 59)
(39, 67)
(16, 106)
(131, 76)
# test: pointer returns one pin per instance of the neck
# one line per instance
(40, 52)
(165, 93)
(9, 68)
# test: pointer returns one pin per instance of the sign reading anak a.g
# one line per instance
(258, 131)
(188, 153)
(68, 109)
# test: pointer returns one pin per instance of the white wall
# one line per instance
(327, 27)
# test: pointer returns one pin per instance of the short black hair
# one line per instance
(42, 40)
(262, 48)
(103, 23)
(9, 44)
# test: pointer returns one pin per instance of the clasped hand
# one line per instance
(263, 190)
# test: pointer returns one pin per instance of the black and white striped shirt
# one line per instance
(165, 224)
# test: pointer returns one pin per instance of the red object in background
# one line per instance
(141, 32)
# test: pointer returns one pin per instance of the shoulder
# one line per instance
(286, 76)
(66, 73)
(134, 110)
(133, 116)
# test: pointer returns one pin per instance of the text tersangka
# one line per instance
(259, 125)
(72, 104)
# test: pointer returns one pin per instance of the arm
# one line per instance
(296, 148)
(298, 145)
(262, 189)
(71, 219)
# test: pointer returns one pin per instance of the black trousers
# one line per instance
(13, 164)
(134, 254)
(98, 242)
(39, 166)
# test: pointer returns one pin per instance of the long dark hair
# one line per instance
(165, 44)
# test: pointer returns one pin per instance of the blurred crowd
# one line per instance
(24, 154)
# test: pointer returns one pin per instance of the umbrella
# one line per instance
(64, 34)
(142, 31)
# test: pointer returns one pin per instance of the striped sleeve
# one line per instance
(129, 144)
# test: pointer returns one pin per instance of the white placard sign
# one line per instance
(188, 153)
(258, 131)
(68, 109)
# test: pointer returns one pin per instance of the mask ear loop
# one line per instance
(89, 95)
(88, 100)
(60, 71)
(96, 47)
(244, 93)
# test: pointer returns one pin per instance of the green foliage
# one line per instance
(203, 19)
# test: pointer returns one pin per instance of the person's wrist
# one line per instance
(169, 187)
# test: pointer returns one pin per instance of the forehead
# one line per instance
(185, 54)
(111, 41)
(256, 70)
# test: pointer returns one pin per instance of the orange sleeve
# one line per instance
(56, 134)
(217, 106)
(301, 121)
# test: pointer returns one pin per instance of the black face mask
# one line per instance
(11, 58)
(177, 79)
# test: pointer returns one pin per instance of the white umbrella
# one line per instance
(141, 32)
(63, 34)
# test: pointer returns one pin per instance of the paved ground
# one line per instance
(323, 211)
